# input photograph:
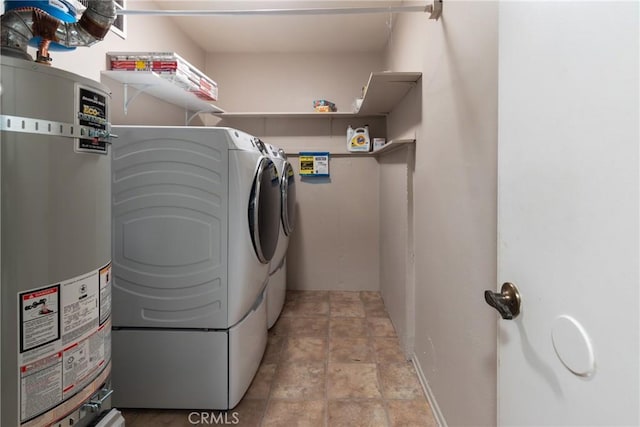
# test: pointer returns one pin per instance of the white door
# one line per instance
(568, 184)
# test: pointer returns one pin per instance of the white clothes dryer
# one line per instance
(277, 285)
(195, 217)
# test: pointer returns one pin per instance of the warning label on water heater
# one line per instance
(40, 317)
(64, 339)
(92, 113)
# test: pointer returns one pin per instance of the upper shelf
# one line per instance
(288, 115)
(341, 152)
(162, 88)
(383, 92)
(393, 145)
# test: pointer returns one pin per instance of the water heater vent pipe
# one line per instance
(18, 26)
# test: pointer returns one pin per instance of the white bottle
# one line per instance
(358, 139)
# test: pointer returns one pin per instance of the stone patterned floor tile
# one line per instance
(351, 350)
(340, 296)
(388, 350)
(348, 327)
(281, 327)
(363, 413)
(275, 344)
(410, 413)
(307, 296)
(299, 381)
(291, 413)
(375, 309)
(399, 381)
(309, 327)
(381, 327)
(352, 380)
(304, 349)
(371, 296)
(347, 309)
(261, 384)
(304, 308)
(248, 413)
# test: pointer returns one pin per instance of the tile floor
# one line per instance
(332, 360)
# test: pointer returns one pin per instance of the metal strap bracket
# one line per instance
(52, 128)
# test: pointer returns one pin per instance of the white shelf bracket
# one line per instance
(435, 9)
(188, 118)
(127, 100)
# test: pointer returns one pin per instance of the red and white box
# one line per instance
(168, 65)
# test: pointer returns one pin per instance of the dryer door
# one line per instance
(264, 210)
(288, 189)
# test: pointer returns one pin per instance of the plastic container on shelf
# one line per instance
(358, 139)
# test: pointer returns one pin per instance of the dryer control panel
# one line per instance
(276, 152)
(243, 141)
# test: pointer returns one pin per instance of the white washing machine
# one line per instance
(277, 285)
(195, 217)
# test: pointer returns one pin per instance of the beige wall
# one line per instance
(396, 284)
(454, 203)
(336, 243)
(289, 82)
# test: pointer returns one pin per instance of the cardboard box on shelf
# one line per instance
(378, 143)
(323, 109)
(167, 65)
(324, 106)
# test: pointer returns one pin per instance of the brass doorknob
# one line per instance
(507, 302)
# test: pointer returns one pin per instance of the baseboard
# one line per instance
(437, 414)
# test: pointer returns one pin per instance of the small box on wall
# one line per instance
(314, 164)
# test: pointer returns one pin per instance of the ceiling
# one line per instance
(310, 33)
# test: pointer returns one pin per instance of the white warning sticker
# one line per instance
(80, 311)
(41, 385)
(40, 317)
(64, 340)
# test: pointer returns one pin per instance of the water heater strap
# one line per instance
(48, 127)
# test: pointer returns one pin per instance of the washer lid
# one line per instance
(264, 210)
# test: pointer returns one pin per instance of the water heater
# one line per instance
(55, 254)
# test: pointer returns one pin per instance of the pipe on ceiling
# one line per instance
(435, 9)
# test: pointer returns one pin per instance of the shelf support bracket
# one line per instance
(188, 118)
(126, 100)
(435, 9)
